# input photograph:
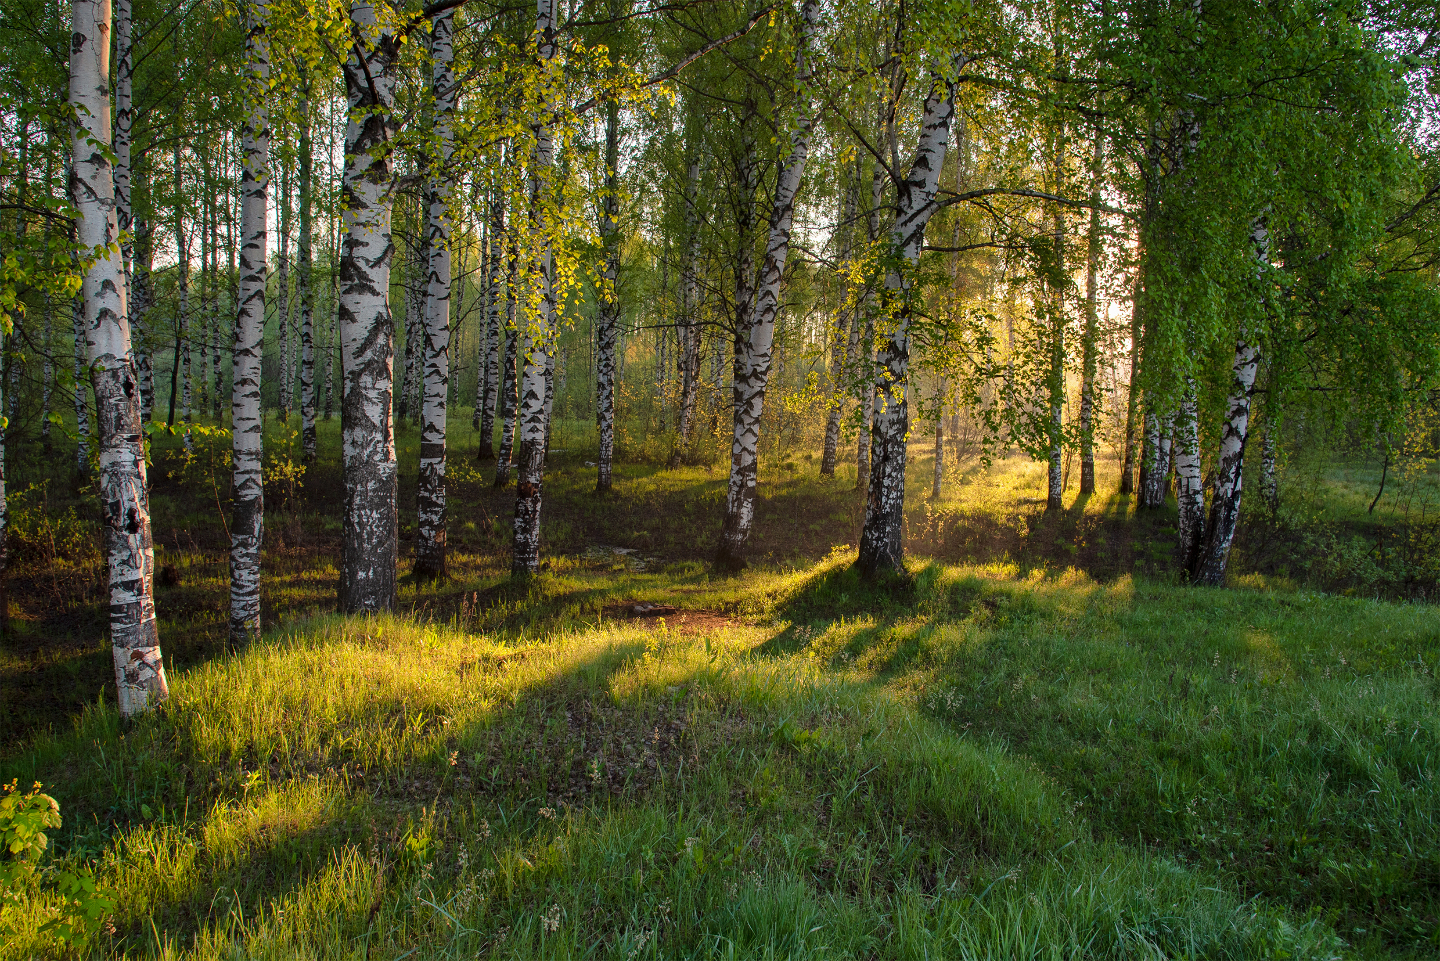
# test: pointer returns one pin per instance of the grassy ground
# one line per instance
(1046, 750)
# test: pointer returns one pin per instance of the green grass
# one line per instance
(970, 764)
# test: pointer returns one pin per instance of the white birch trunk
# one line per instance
(435, 345)
(842, 345)
(182, 304)
(282, 297)
(1189, 487)
(1214, 552)
(82, 408)
(509, 385)
(247, 524)
(143, 300)
(125, 503)
(608, 314)
(367, 332)
(305, 287)
(882, 541)
(1091, 335)
(939, 464)
(493, 326)
(535, 341)
(755, 344)
(689, 329)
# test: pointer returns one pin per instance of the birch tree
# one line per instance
(882, 539)
(607, 323)
(125, 504)
(435, 350)
(305, 282)
(247, 523)
(755, 340)
(367, 333)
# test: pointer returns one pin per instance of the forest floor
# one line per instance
(1039, 745)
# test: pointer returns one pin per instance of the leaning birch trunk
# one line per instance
(840, 356)
(753, 359)
(1214, 552)
(305, 291)
(535, 340)
(882, 544)
(608, 315)
(1091, 334)
(125, 503)
(367, 331)
(247, 524)
(435, 342)
(1189, 487)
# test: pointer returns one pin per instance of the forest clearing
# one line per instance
(690, 479)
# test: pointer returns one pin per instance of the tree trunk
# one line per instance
(1091, 335)
(218, 378)
(82, 409)
(1189, 486)
(840, 357)
(868, 385)
(125, 503)
(1269, 487)
(508, 385)
(439, 189)
(536, 341)
(305, 292)
(247, 524)
(182, 303)
(1132, 403)
(608, 314)
(882, 545)
(689, 329)
(939, 464)
(367, 330)
(140, 306)
(282, 297)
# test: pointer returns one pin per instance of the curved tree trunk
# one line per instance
(439, 189)
(367, 330)
(755, 340)
(125, 503)
(536, 340)
(247, 524)
(882, 543)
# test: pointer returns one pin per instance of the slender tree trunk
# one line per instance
(82, 408)
(536, 342)
(247, 522)
(939, 440)
(439, 190)
(1132, 404)
(509, 387)
(140, 306)
(608, 314)
(494, 325)
(207, 286)
(217, 378)
(182, 303)
(305, 285)
(367, 331)
(125, 503)
(882, 544)
(840, 357)
(1269, 487)
(1091, 335)
(689, 329)
(1189, 486)
(282, 296)
(47, 383)
(869, 386)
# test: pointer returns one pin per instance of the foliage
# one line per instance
(83, 905)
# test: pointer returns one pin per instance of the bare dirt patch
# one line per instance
(676, 618)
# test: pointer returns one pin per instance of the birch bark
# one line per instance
(435, 346)
(608, 315)
(282, 296)
(882, 545)
(755, 344)
(305, 285)
(247, 524)
(1091, 335)
(494, 326)
(1132, 403)
(536, 338)
(689, 327)
(840, 357)
(1189, 489)
(367, 331)
(1214, 553)
(125, 504)
(508, 386)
